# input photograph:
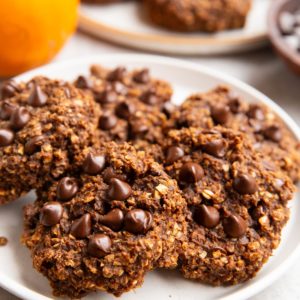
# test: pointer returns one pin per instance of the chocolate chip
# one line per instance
(245, 184)
(6, 137)
(220, 114)
(142, 76)
(6, 110)
(191, 172)
(19, 118)
(215, 148)
(138, 221)
(173, 154)
(113, 220)
(138, 128)
(208, 216)
(234, 105)
(34, 144)
(149, 98)
(82, 227)
(234, 226)
(51, 213)
(93, 164)
(83, 82)
(125, 109)
(119, 88)
(107, 121)
(37, 97)
(117, 74)
(119, 190)
(110, 173)
(255, 112)
(99, 245)
(273, 133)
(106, 97)
(66, 188)
(8, 89)
(168, 109)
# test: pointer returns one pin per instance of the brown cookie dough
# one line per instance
(134, 105)
(238, 206)
(43, 124)
(198, 15)
(105, 228)
(265, 129)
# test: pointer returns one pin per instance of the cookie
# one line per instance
(43, 124)
(200, 15)
(134, 105)
(104, 228)
(265, 129)
(237, 205)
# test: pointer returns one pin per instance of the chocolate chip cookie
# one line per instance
(237, 203)
(43, 124)
(198, 15)
(104, 228)
(134, 105)
(265, 129)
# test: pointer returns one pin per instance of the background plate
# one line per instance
(125, 23)
(16, 272)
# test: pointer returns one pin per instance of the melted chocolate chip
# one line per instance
(83, 82)
(173, 154)
(51, 213)
(107, 121)
(34, 144)
(168, 109)
(245, 184)
(6, 137)
(220, 114)
(82, 227)
(191, 172)
(149, 98)
(106, 97)
(125, 109)
(99, 245)
(215, 148)
(208, 216)
(93, 164)
(19, 118)
(273, 133)
(66, 189)
(6, 110)
(113, 220)
(255, 112)
(142, 76)
(119, 190)
(8, 89)
(117, 74)
(37, 97)
(234, 226)
(138, 221)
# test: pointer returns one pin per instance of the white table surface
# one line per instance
(261, 69)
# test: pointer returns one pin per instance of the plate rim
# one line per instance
(144, 59)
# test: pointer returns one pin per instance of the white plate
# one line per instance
(124, 23)
(16, 273)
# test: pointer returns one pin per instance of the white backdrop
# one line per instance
(261, 69)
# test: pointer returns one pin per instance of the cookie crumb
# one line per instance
(3, 241)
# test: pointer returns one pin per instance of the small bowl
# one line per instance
(289, 55)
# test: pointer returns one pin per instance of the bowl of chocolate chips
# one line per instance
(284, 31)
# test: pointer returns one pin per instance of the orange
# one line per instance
(33, 31)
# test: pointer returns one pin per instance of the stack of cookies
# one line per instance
(127, 182)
